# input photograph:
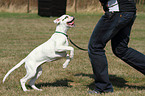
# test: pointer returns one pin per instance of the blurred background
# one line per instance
(31, 6)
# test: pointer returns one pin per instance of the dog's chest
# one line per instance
(60, 39)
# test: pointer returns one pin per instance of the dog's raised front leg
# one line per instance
(66, 48)
(68, 58)
(67, 61)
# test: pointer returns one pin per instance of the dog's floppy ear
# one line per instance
(57, 21)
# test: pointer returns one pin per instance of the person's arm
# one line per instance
(104, 4)
(103, 1)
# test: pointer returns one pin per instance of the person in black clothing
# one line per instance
(114, 25)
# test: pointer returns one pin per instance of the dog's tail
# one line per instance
(15, 67)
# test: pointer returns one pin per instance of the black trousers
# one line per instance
(115, 27)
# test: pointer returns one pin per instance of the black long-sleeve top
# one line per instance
(119, 5)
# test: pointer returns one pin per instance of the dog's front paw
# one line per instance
(65, 65)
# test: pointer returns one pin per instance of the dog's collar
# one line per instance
(71, 41)
(62, 33)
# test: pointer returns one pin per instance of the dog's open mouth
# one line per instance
(71, 23)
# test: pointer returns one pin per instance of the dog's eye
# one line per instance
(65, 18)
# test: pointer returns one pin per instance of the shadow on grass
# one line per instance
(116, 81)
(58, 83)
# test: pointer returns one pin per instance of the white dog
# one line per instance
(53, 49)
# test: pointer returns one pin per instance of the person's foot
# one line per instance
(93, 92)
(98, 92)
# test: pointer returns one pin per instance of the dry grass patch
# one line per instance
(21, 33)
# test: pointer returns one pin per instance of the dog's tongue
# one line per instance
(71, 23)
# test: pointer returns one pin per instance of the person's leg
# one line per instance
(129, 55)
(98, 40)
(107, 27)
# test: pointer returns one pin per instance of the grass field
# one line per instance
(21, 33)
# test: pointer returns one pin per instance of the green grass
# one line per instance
(21, 33)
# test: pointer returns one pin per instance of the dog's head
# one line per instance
(65, 20)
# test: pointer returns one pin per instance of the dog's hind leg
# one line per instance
(30, 73)
(32, 81)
